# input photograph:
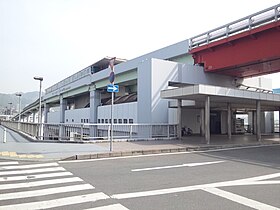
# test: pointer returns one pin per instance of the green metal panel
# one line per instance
(187, 58)
(52, 99)
(77, 91)
(127, 76)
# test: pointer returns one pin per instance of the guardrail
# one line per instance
(93, 132)
(247, 23)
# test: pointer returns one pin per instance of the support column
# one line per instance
(34, 115)
(179, 118)
(63, 105)
(95, 101)
(258, 121)
(45, 120)
(229, 120)
(207, 120)
(202, 124)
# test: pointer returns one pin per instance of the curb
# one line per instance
(161, 151)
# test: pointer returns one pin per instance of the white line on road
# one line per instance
(57, 202)
(29, 166)
(8, 163)
(40, 183)
(176, 166)
(49, 191)
(240, 199)
(31, 171)
(32, 177)
(110, 207)
(240, 182)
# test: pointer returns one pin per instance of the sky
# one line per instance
(56, 38)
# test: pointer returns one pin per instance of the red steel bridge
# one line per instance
(243, 48)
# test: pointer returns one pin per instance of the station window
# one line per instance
(115, 121)
(130, 121)
(125, 121)
(106, 120)
(66, 120)
(120, 121)
(98, 120)
(82, 120)
(87, 120)
(102, 121)
(72, 120)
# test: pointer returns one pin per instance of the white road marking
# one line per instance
(32, 177)
(40, 183)
(240, 199)
(29, 166)
(110, 207)
(8, 163)
(165, 154)
(31, 171)
(176, 166)
(57, 202)
(239, 182)
(49, 191)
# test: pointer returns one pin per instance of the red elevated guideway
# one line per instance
(246, 47)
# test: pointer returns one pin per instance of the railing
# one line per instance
(80, 74)
(247, 23)
(93, 132)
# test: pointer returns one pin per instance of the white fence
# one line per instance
(255, 20)
(93, 132)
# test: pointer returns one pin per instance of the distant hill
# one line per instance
(26, 99)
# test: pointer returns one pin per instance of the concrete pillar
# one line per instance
(34, 116)
(63, 105)
(258, 120)
(95, 101)
(45, 113)
(207, 119)
(179, 118)
(202, 123)
(229, 120)
(45, 120)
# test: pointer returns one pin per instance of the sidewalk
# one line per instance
(191, 143)
(19, 148)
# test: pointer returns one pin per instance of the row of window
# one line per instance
(119, 121)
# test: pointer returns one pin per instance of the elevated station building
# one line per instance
(172, 85)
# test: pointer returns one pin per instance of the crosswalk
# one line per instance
(47, 186)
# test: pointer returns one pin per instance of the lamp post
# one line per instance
(40, 104)
(19, 106)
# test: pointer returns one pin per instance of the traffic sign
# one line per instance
(112, 77)
(112, 88)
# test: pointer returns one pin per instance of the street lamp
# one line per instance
(40, 103)
(19, 106)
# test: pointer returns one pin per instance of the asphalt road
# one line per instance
(225, 179)
(164, 182)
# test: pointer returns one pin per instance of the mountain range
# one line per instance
(26, 98)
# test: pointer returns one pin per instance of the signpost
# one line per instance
(112, 88)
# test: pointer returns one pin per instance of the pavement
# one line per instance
(20, 147)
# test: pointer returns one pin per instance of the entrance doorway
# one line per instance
(215, 122)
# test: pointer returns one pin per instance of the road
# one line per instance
(247, 178)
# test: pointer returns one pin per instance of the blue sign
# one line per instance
(112, 88)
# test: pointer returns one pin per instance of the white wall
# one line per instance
(153, 76)
(120, 111)
(77, 115)
(191, 119)
(54, 117)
